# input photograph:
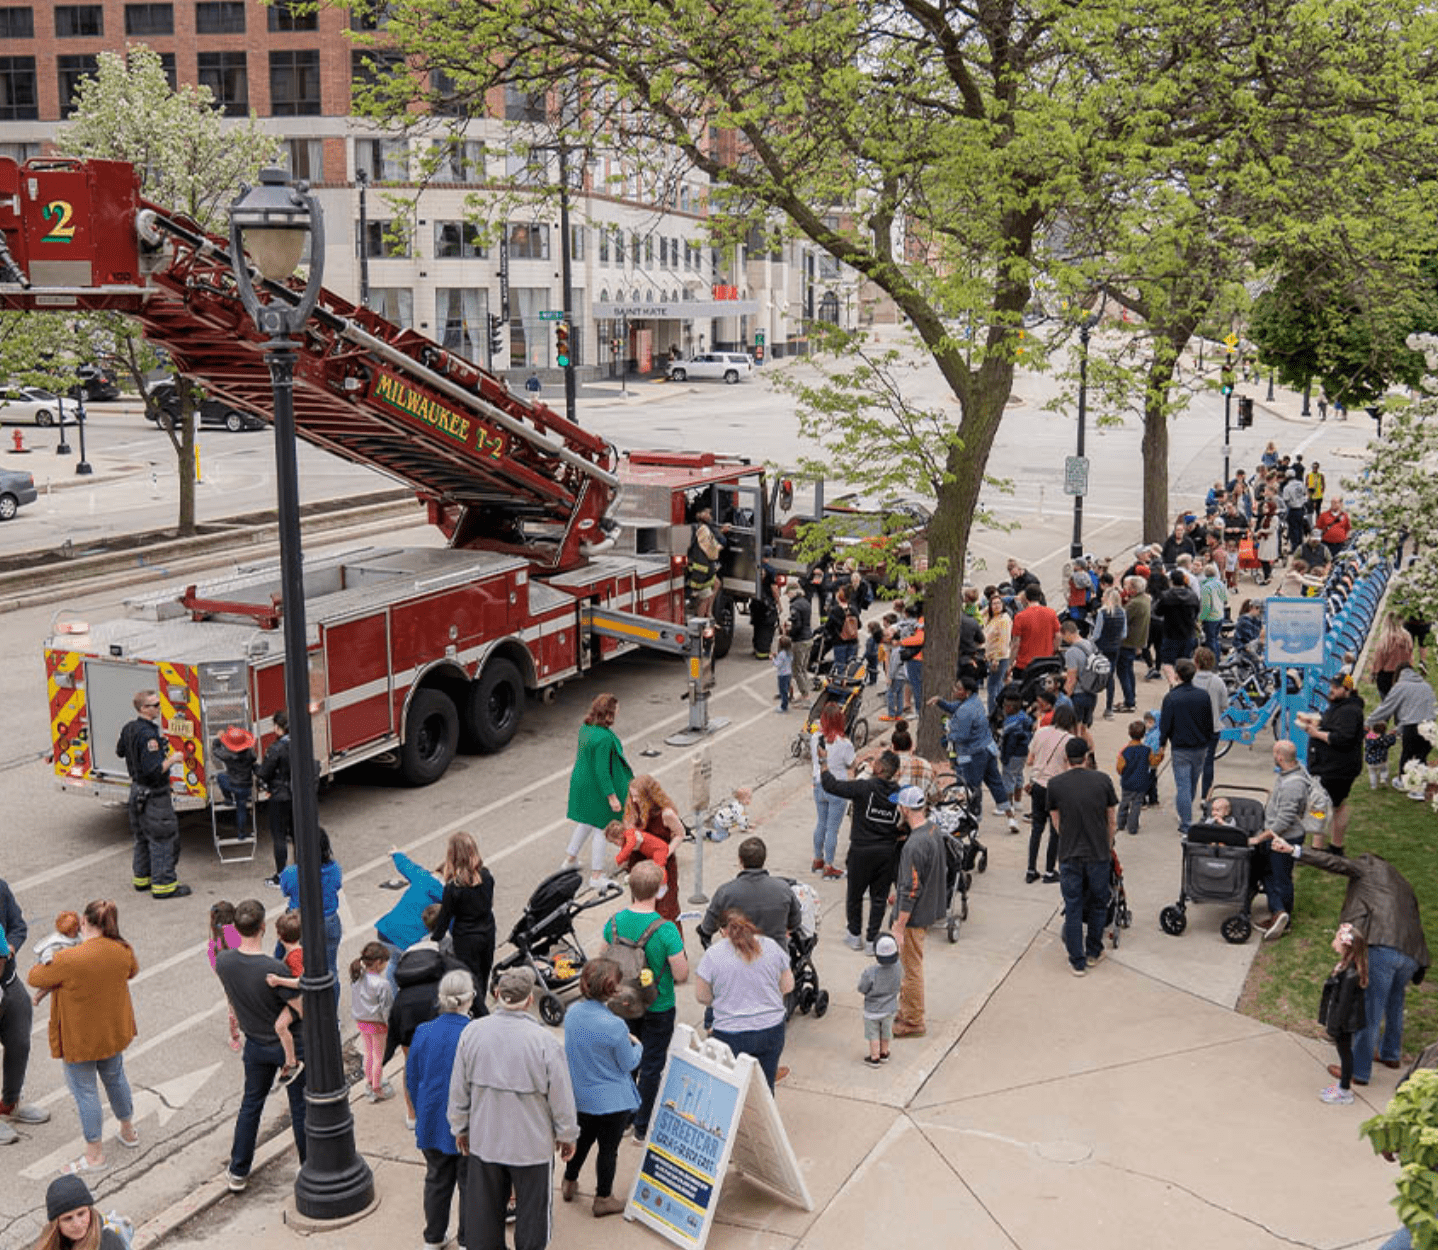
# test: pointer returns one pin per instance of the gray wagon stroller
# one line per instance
(1220, 867)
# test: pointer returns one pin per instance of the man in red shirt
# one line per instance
(1035, 631)
(1333, 527)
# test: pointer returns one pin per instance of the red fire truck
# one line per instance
(561, 552)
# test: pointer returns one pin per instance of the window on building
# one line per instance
(393, 303)
(219, 17)
(648, 249)
(369, 14)
(458, 240)
(20, 152)
(576, 242)
(374, 65)
(603, 233)
(304, 158)
(17, 22)
(18, 99)
(523, 106)
(79, 21)
(295, 83)
(288, 15)
(531, 340)
(69, 70)
(149, 19)
(828, 267)
(525, 169)
(444, 96)
(618, 240)
(167, 67)
(228, 79)
(461, 317)
(457, 160)
(384, 160)
(385, 240)
(528, 241)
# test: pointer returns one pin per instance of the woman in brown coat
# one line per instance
(91, 1022)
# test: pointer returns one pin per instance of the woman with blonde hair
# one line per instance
(467, 907)
(745, 975)
(1393, 650)
(597, 786)
(649, 808)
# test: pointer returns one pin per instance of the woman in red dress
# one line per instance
(650, 809)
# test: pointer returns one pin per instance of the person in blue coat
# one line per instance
(603, 1055)
(331, 879)
(403, 925)
(426, 1076)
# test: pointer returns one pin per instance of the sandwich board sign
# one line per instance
(713, 1111)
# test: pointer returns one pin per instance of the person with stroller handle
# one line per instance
(1282, 825)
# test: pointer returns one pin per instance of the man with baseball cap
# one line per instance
(1084, 808)
(918, 902)
(510, 1108)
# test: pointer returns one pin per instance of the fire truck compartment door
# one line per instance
(109, 706)
(360, 683)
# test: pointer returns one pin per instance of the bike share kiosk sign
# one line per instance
(714, 1110)
(1293, 633)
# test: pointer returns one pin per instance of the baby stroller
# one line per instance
(1119, 916)
(964, 853)
(1218, 867)
(807, 996)
(848, 692)
(544, 940)
(1041, 673)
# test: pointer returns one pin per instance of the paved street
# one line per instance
(66, 850)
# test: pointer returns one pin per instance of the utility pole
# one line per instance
(1076, 545)
(566, 278)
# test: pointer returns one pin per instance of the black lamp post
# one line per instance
(83, 468)
(362, 178)
(1085, 328)
(273, 221)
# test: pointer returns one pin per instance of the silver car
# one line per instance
(730, 366)
(16, 490)
(29, 404)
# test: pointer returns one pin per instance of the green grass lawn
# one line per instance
(1287, 976)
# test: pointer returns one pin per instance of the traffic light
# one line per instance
(1245, 411)
(1226, 380)
(496, 337)
(561, 344)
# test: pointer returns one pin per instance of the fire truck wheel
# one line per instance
(722, 611)
(430, 738)
(494, 709)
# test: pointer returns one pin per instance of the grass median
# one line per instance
(1287, 976)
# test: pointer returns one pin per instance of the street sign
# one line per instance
(551, 314)
(1231, 342)
(1075, 475)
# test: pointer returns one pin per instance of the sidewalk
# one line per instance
(1130, 1109)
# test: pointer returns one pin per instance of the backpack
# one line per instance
(637, 986)
(1317, 808)
(1113, 630)
(1094, 674)
(849, 630)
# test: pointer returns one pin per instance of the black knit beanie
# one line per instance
(66, 1193)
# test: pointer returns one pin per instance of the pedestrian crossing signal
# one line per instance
(561, 344)
(1226, 380)
(1245, 411)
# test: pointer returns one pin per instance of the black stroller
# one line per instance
(848, 692)
(807, 995)
(544, 940)
(964, 853)
(1220, 867)
(1119, 916)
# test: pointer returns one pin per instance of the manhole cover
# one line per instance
(1062, 1151)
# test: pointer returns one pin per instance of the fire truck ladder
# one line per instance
(496, 470)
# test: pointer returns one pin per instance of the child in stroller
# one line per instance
(847, 691)
(964, 853)
(807, 995)
(1220, 866)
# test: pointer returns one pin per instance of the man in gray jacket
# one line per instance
(1282, 818)
(510, 1107)
(918, 902)
(767, 901)
(1409, 703)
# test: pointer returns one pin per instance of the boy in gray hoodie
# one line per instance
(879, 984)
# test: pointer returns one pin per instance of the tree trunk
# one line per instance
(185, 455)
(1167, 347)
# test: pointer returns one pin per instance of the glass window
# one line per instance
(458, 240)
(385, 240)
(219, 17)
(20, 152)
(18, 99)
(384, 160)
(287, 15)
(603, 233)
(523, 106)
(576, 242)
(828, 267)
(531, 340)
(167, 67)
(149, 19)
(369, 14)
(648, 249)
(457, 160)
(224, 73)
(17, 23)
(69, 71)
(394, 303)
(528, 241)
(372, 65)
(79, 21)
(617, 239)
(461, 316)
(444, 96)
(525, 169)
(304, 158)
(295, 83)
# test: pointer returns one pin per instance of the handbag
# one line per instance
(1247, 554)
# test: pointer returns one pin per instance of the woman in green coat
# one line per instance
(597, 786)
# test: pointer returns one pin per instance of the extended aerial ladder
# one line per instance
(497, 471)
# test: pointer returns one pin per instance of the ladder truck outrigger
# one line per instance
(560, 552)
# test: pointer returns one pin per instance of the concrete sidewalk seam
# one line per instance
(972, 1192)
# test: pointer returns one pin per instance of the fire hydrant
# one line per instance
(19, 440)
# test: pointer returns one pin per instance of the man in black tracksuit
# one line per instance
(873, 837)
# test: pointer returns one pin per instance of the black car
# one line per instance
(95, 384)
(213, 412)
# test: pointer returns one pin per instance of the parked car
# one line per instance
(886, 538)
(96, 384)
(731, 366)
(213, 412)
(28, 404)
(16, 490)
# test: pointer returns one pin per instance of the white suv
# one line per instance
(731, 366)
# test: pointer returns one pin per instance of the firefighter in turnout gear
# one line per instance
(148, 757)
(701, 576)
